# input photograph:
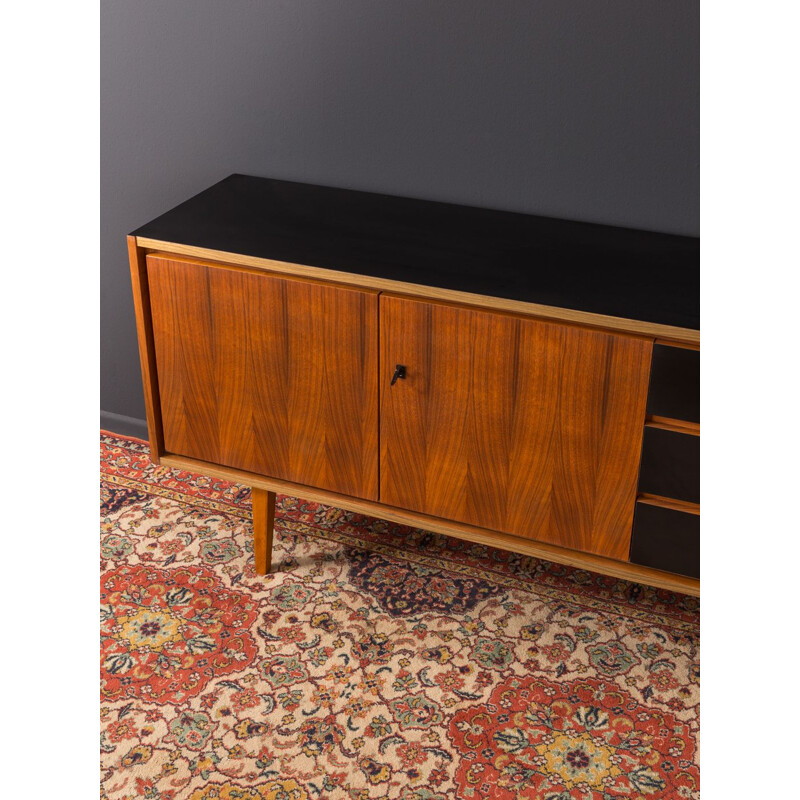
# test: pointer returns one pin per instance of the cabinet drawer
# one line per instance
(670, 465)
(666, 539)
(675, 384)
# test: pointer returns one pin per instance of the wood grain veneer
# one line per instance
(512, 424)
(271, 375)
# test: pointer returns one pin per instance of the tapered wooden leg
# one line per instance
(263, 526)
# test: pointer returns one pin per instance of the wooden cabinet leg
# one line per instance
(263, 526)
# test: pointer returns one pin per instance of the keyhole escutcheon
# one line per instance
(399, 372)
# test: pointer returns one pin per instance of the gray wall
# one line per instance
(580, 109)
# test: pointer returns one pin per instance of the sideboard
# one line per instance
(517, 381)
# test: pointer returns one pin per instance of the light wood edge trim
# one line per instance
(676, 425)
(668, 333)
(668, 502)
(147, 352)
(682, 344)
(503, 541)
(516, 315)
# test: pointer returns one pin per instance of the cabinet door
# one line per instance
(526, 427)
(271, 375)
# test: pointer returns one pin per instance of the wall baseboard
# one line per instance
(126, 426)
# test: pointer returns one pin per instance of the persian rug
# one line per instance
(377, 661)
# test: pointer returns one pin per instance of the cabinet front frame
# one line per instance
(139, 248)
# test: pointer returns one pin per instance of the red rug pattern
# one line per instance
(378, 661)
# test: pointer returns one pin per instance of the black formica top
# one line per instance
(654, 277)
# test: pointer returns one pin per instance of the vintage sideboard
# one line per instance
(518, 381)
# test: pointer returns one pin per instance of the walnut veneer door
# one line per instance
(271, 375)
(527, 427)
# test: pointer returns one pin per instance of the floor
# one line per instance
(375, 661)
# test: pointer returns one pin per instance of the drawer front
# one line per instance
(675, 384)
(670, 465)
(666, 539)
(266, 374)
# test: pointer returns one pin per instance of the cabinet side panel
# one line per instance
(147, 356)
(513, 424)
(271, 375)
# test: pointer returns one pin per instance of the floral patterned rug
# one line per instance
(378, 661)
